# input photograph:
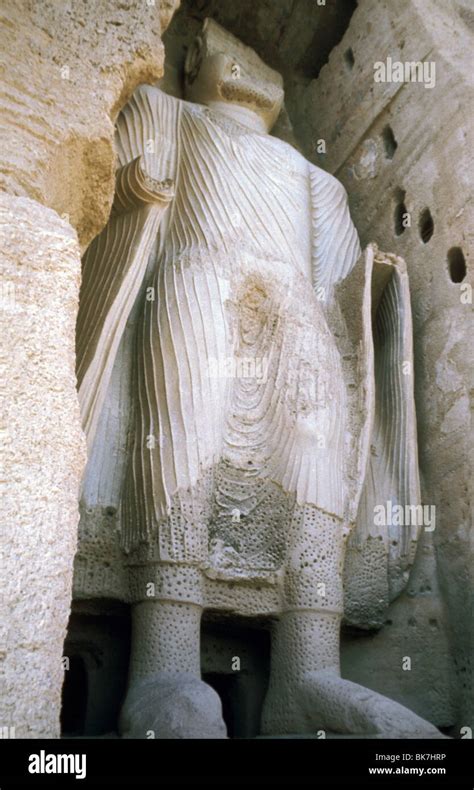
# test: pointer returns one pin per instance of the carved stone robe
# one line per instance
(240, 400)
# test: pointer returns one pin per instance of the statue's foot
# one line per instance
(323, 701)
(168, 705)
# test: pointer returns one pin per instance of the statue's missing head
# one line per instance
(221, 69)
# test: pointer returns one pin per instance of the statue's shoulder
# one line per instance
(322, 180)
(150, 97)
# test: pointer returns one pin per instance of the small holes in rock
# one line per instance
(389, 142)
(110, 511)
(349, 59)
(456, 265)
(426, 225)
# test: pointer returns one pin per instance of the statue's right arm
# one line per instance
(148, 126)
(115, 263)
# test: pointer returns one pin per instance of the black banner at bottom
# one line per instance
(273, 761)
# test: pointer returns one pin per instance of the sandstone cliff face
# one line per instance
(404, 149)
(68, 68)
(397, 148)
(42, 457)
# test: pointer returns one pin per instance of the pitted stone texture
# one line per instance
(172, 582)
(43, 456)
(79, 64)
(250, 271)
(320, 699)
(172, 705)
(302, 642)
(165, 638)
(331, 703)
(430, 168)
(70, 68)
(99, 570)
(313, 572)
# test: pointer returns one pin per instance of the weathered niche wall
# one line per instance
(399, 149)
(68, 68)
(405, 151)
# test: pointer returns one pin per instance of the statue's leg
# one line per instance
(306, 692)
(306, 637)
(166, 697)
(168, 499)
(165, 638)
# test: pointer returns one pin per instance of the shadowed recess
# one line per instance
(426, 225)
(289, 35)
(389, 142)
(456, 264)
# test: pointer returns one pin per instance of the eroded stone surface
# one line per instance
(173, 705)
(79, 64)
(43, 456)
(422, 161)
(268, 271)
(68, 69)
(383, 145)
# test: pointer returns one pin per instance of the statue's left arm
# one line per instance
(367, 303)
(335, 243)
